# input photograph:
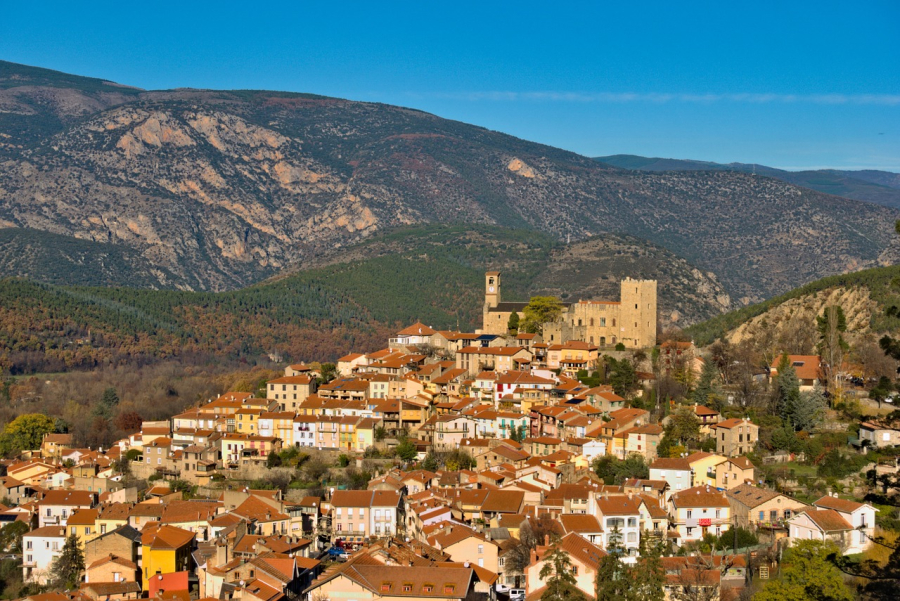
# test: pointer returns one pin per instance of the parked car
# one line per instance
(516, 594)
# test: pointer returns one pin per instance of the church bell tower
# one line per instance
(491, 289)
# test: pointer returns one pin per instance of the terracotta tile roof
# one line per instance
(658, 485)
(653, 508)
(448, 534)
(731, 423)
(523, 377)
(580, 523)
(828, 520)
(751, 496)
(83, 517)
(417, 329)
(109, 589)
(699, 496)
(278, 565)
(256, 509)
(402, 581)
(147, 509)
(365, 498)
(504, 501)
(69, 498)
(165, 537)
(261, 590)
(671, 463)
(838, 504)
(701, 455)
(807, 367)
(47, 531)
(618, 505)
(188, 511)
(113, 559)
(578, 548)
(741, 462)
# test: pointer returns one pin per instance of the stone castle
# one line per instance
(630, 321)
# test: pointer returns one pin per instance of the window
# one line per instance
(688, 514)
(117, 577)
(87, 529)
(762, 516)
(407, 587)
(481, 562)
(718, 513)
(428, 588)
(480, 549)
(386, 586)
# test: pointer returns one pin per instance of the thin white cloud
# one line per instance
(624, 97)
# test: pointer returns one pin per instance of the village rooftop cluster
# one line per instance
(510, 406)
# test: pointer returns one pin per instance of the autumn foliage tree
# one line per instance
(25, 432)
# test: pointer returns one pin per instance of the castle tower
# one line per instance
(638, 313)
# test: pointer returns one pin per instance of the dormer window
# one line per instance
(449, 588)
(428, 588)
(386, 587)
(407, 587)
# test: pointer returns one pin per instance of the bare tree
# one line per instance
(873, 359)
(699, 580)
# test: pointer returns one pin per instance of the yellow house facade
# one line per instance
(166, 549)
(704, 467)
(83, 525)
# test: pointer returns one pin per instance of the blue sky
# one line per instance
(787, 84)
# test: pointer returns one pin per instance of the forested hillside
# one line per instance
(433, 274)
(56, 259)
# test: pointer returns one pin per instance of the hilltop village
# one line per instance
(497, 464)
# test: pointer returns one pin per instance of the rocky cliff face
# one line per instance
(222, 189)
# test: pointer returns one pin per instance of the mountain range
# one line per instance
(869, 185)
(217, 190)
